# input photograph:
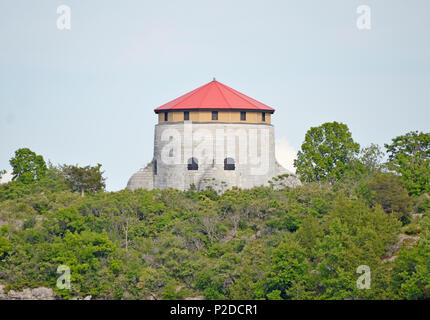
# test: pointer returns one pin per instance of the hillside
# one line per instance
(262, 243)
(357, 228)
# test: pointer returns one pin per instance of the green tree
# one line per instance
(327, 153)
(309, 233)
(83, 179)
(411, 272)
(248, 282)
(27, 166)
(409, 155)
(354, 235)
(4, 241)
(289, 273)
(388, 190)
(86, 253)
(371, 158)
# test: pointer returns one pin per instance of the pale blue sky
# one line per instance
(87, 95)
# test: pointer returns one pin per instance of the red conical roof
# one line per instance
(214, 96)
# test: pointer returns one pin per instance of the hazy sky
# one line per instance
(87, 95)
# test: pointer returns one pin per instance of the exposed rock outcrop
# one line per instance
(40, 293)
(394, 249)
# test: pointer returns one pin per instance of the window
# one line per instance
(242, 116)
(229, 164)
(214, 115)
(186, 115)
(263, 116)
(193, 164)
(166, 116)
(155, 167)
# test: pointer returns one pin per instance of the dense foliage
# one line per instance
(27, 166)
(83, 179)
(327, 153)
(262, 243)
(409, 155)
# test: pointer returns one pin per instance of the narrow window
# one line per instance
(263, 116)
(229, 164)
(214, 115)
(155, 167)
(243, 116)
(166, 116)
(186, 115)
(193, 164)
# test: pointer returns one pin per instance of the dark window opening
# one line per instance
(186, 115)
(242, 116)
(166, 116)
(214, 115)
(229, 164)
(155, 167)
(263, 116)
(193, 164)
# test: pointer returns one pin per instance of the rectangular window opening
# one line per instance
(214, 115)
(166, 116)
(263, 116)
(242, 116)
(186, 115)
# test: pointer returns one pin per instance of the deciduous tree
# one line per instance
(83, 179)
(326, 153)
(388, 190)
(409, 155)
(27, 166)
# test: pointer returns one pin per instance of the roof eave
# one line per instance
(214, 109)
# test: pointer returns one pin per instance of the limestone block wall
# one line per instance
(142, 179)
(252, 147)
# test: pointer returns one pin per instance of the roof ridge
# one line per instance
(206, 93)
(222, 95)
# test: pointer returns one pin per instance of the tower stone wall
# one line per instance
(211, 144)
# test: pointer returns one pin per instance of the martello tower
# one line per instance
(212, 136)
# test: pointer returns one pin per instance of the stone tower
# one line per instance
(212, 136)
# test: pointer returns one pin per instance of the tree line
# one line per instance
(356, 206)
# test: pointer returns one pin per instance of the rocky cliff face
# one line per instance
(41, 293)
